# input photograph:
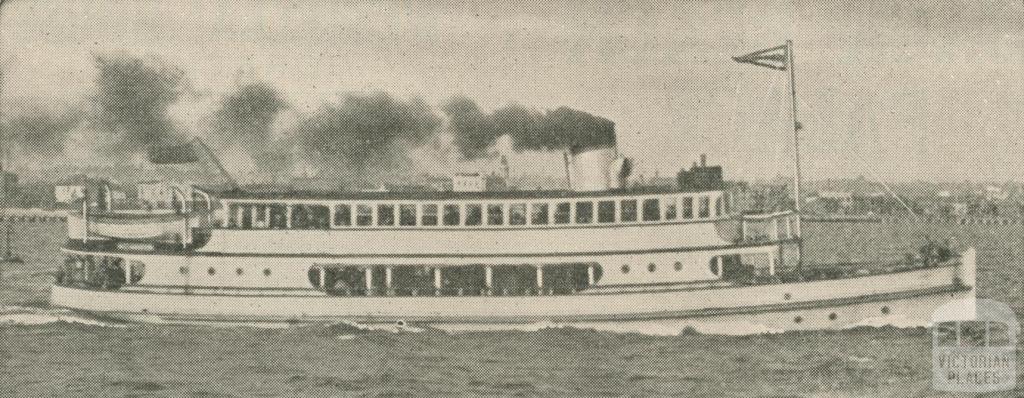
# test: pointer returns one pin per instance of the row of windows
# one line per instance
(314, 216)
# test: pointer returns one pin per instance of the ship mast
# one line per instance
(781, 58)
(8, 229)
(4, 195)
(797, 177)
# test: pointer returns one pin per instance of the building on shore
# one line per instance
(100, 193)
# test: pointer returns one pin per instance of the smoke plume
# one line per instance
(245, 122)
(246, 117)
(365, 136)
(42, 134)
(132, 98)
(567, 128)
(473, 131)
(561, 129)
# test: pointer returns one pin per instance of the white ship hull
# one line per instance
(619, 261)
(902, 299)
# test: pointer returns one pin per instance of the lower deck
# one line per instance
(390, 276)
(934, 280)
(901, 299)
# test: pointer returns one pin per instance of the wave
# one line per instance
(35, 316)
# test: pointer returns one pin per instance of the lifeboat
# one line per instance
(160, 227)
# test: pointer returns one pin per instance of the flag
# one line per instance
(173, 154)
(775, 58)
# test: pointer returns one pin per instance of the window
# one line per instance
(452, 215)
(495, 214)
(343, 215)
(429, 215)
(705, 207)
(407, 215)
(261, 216)
(299, 216)
(562, 213)
(651, 267)
(688, 207)
(247, 217)
(364, 215)
(584, 212)
(266, 272)
(670, 208)
(239, 271)
(385, 214)
(211, 271)
(234, 215)
(679, 266)
(652, 210)
(474, 214)
(718, 206)
(726, 199)
(318, 217)
(517, 214)
(627, 211)
(625, 268)
(606, 211)
(278, 216)
(539, 214)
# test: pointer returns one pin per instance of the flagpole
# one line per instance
(797, 195)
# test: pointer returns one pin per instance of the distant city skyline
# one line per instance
(898, 92)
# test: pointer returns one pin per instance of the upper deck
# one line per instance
(503, 209)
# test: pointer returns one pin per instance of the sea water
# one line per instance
(53, 352)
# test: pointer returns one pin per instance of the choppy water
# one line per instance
(48, 352)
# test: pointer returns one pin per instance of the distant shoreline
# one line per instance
(915, 220)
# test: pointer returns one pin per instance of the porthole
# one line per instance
(798, 319)
(787, 296)
(679, 266)
(885, 310)
(266, 272)
(625, 268)
(651, 267)
(715, 266)
(183, 270)
(211, 271)
(833, 316)
(238, 271)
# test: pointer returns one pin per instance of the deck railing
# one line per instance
(770, 227)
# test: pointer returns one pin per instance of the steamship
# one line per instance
(597, 255)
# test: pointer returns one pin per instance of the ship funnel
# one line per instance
(598, 169)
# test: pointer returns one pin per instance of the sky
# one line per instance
(929, 90)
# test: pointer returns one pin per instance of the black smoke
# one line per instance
(41, 133)
(246, 117)
(561, 129)
(567, 128)
(245, 121)
(132, 99)
(361, 138)
(473, 131)
(366, 135)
